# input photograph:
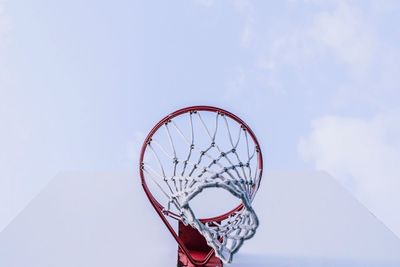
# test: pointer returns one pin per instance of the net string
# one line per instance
(244, 180)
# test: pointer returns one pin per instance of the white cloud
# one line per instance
(247, 14)
(346, 46)
(341, 32)
(248, 34)
(4, 30)
(4, 24)
(364, 155)
(246, 10)
(347, 33)
(205, 3)
(235, 86)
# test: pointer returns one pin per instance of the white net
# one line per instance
(198, 150)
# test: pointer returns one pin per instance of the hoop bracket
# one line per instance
(197, 247)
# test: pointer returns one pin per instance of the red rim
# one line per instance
(157, 206)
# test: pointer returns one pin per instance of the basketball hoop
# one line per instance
(191, 150)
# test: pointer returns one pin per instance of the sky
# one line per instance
(82, 82)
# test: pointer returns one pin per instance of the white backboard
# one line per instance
(104, 219)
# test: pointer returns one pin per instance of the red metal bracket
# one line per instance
(201, 255)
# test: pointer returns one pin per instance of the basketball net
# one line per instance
(212, 166)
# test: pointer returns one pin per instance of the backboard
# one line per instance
(91, 219)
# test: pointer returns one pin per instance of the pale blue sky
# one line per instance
(81, 82)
